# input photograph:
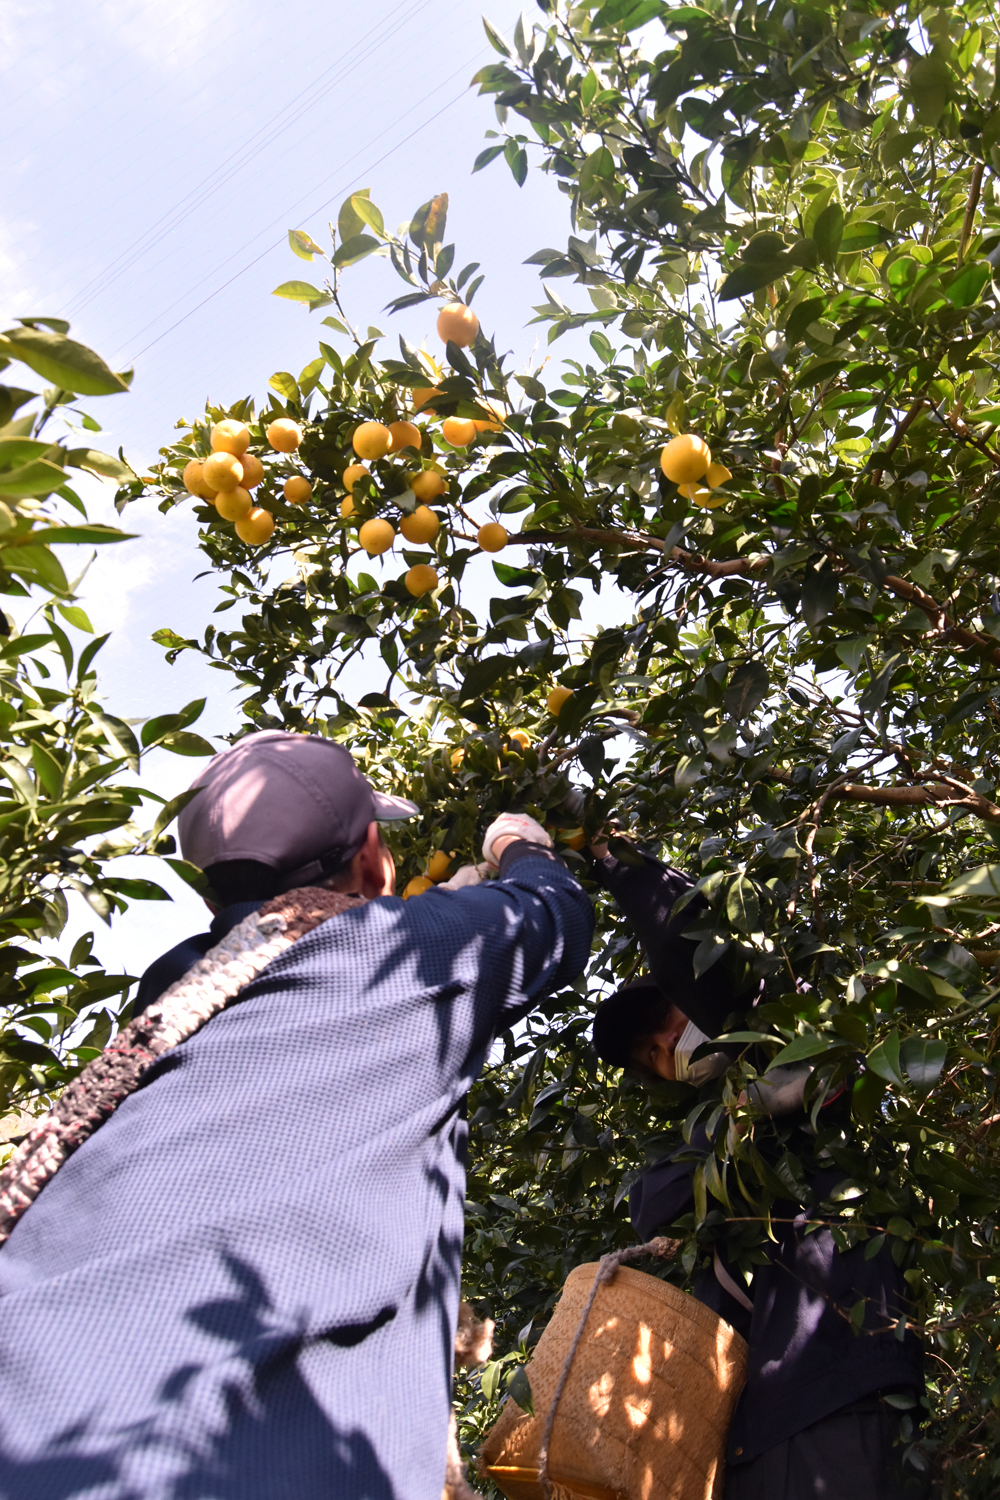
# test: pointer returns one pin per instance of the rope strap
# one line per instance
(606, 1270)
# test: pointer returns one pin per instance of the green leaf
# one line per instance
(428, 224)
(189, 873)
(169, 811)
(75, 616)
(982, 882)
(355, 249)
(47, 769)
(496, 41)
(302, 291)
(750, 276)
(519, 1390)
(100, 463)
(828, 231)
(923, 1061)
(15, 451)
(67, 364)
(93, 535)
(303, 245)
(183, 742)
(743, 905)
(309, 377)
(32, 480)
(39, 565)
(137, 890)
(884, 1059)
(802, 1047)
(367, 213)
(485, 157)
(119, 736)
(286, 386)
(929, 87)
(748, 687)
(968, 284)
(19, 779)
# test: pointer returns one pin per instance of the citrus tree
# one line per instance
(68, 765)
(773, 463)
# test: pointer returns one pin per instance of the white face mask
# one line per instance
(705, 1068)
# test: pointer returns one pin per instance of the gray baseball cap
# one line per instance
(296, 802)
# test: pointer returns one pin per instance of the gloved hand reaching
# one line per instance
(511, 826)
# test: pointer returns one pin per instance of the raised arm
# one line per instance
(646, 895)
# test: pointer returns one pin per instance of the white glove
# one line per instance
(465, 875)
(513, 825)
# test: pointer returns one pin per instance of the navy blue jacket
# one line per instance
(244, 1286)
(805, 1359)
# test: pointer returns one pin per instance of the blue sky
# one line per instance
(158, 151)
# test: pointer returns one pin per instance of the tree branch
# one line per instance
(937, 794)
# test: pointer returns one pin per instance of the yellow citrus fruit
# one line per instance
(496, 425)
(492, 537)
(376, 536)
(574, 837)
(222, 471)
(420, 396)
(298, 490)
(421, 526)
(371, 440)
(458, 432)
(457, 757)
(284, 435)
(253, 471)
(404, 435)
(256, 528)
(697, 493)
(716, 475)
(427, 484)
(457, 324)
(556, 699)
(685, 458)
(347, 506)
(438, 866)
(233, 505)
(352, 474)
(421, 579)
(417, 886)
(518, 737)
(231, 436)
(193, 479)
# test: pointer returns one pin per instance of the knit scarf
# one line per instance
(214, 982)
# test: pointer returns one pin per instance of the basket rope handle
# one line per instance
(606, 1270)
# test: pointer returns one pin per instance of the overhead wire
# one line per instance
(236, 161)
(283, 218)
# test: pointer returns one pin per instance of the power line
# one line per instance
(235, 162)
(319, 209)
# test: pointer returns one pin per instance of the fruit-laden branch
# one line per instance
(938, 793)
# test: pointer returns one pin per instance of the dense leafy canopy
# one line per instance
(784, 225)
(69, 795)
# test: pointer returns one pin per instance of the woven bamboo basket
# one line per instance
(645, 1411)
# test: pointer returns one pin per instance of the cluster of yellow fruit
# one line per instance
(230, 472)
(438, 867)
(376, 440)
(687, 460)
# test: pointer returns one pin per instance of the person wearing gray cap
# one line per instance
(231, 1253)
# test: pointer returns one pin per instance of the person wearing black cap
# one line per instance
(243, 1283)
(821, 1413)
